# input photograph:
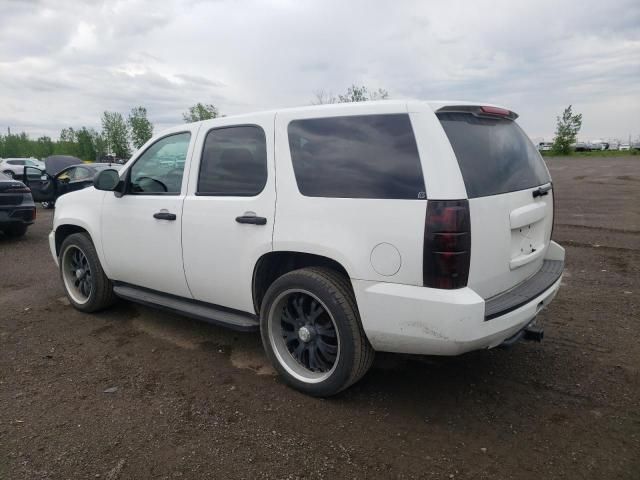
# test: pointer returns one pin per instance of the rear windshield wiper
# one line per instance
(540, 191)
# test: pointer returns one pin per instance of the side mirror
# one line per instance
(106, 180)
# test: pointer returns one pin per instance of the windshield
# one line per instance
(494, 154)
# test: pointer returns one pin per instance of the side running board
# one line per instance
(206, 312)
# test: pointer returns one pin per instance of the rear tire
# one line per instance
(48, 205)
(84, 281)
(311, 331)
(9, 174)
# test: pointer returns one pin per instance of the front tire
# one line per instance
(85, 283)
(10, 174)
(311, 331)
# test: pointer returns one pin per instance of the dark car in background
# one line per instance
(62, 174)
(17, 210)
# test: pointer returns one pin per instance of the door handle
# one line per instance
(252, 219)
(164, 216)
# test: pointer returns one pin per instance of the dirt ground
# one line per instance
(135, 393)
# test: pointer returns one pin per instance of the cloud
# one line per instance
(63, 62)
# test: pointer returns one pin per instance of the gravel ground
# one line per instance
(136, 393)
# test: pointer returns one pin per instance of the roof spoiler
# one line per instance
(480, 111)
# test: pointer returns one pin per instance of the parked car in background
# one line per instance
(61, 175)
(17, 210)
(397, 226)
(582, 147)
(625, 146)
(614, 146)
(545, 146)
(13, 167)
(598, 145)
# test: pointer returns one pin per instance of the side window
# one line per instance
(363, 156)
(160, 168)
(67, 174)
(16, 162)
(81, 173)
(234, 162)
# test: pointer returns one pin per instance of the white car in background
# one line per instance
(14, 167)
(335, 230)
(625, 146)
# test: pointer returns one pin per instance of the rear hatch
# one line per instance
(510, 197)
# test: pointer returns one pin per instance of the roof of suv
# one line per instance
(434, 105)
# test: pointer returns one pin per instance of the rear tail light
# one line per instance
(447, 244)
(495, 111)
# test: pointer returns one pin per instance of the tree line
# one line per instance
(119, 136)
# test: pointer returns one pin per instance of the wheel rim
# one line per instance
(76, 274)
(304, 336)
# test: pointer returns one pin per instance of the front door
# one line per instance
(229, 211)
(141, 229)
(43, 188)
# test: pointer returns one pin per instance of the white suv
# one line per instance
(14, 167)
(336, 230)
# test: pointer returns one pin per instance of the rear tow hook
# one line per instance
(534, 333)
(531, 332)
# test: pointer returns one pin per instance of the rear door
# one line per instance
(229, 211)
(510, 197)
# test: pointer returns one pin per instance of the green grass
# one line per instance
(600, 153)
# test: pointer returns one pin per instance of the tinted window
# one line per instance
(15, 162)
(82, 173)
(67, 174)
(159, 170)
(494, 154)
(367, 156)
(234, 162)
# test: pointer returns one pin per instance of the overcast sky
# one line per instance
(64, 62)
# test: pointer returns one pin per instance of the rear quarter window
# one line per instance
(494, 154)
(364, 156)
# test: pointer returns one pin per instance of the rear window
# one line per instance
(494, 154)
(364, 156)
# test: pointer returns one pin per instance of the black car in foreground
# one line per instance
(62, 174)
(17, 210)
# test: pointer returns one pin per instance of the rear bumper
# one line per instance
(419, 320)
(22, 215)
